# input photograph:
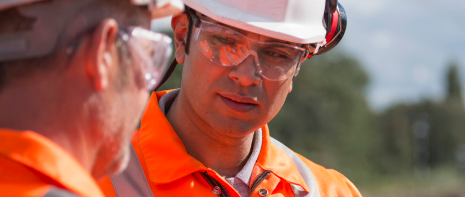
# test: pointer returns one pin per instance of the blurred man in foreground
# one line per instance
(75, 76)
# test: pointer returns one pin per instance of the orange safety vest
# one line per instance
(160, 155)
(32, 165)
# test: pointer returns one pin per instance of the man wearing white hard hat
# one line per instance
(210, 137)
(75, 76)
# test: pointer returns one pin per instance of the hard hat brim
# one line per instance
(288, 27)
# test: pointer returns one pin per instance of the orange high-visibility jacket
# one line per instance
(171, 172)
(32, 165)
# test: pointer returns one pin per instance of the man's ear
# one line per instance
(180, 25)
(101, 50)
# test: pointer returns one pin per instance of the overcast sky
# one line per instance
(405, 46)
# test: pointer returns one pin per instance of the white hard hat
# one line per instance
(298, 21)
(159, 8)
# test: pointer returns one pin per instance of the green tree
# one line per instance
(454, 87)
(454, 112)
(445, 129)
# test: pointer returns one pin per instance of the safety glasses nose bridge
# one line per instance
(256, 63)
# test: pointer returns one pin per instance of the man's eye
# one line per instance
(275, 55)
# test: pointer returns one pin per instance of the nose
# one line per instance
(246, 73)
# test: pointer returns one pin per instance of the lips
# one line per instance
(239, 103)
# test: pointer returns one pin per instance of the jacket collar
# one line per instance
(275, 159)
(164, 153)
(167, 159)
(46, 157)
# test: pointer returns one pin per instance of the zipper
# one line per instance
(213, 183)
(262, 176)
(224, 193)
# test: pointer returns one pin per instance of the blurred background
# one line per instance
(386, 106)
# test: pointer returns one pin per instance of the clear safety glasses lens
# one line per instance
(151, 51)
(226, 47)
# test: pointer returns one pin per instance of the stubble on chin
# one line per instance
(115, 166)
(120, 163)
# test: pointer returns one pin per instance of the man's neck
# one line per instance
(224, 154)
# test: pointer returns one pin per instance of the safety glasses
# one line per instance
(149, 50)
(227, 47)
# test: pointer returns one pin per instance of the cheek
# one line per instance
(131, 104)
(201, 81)
(136, 105)
(136, 95)
(277, 93)
(142, 99)
(201, 74)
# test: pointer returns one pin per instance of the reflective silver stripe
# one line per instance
(131, 182)
(303, 170)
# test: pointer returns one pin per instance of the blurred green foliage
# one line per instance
(326, 118)
(446, 122)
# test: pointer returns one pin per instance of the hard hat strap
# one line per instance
(193, 21)
(336, 21)
(167, 74)
(328, 18)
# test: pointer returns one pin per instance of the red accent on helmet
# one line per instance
(334, 24)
